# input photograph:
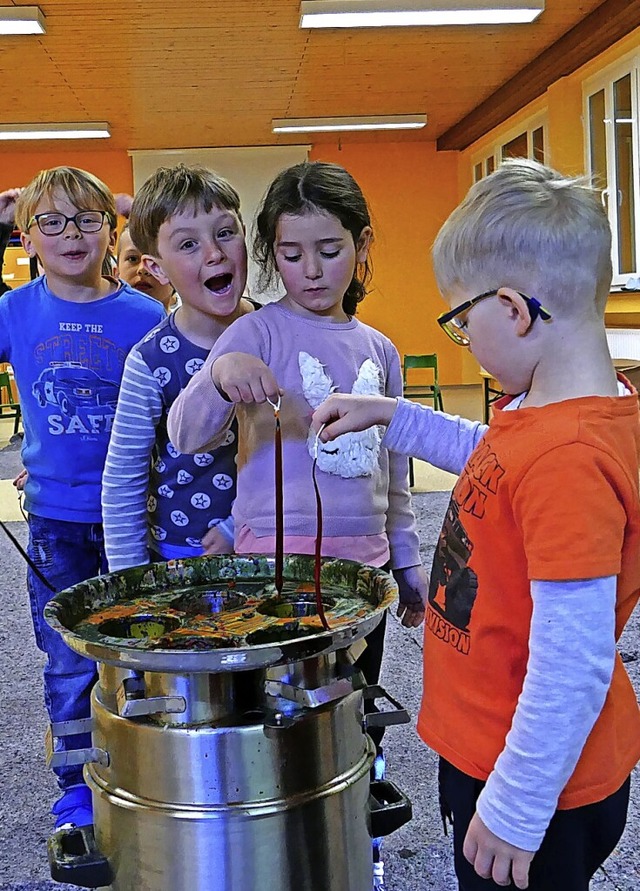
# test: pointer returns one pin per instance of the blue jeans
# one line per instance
(65, 553)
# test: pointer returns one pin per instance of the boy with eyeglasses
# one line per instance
(67, 335)
(537, 567)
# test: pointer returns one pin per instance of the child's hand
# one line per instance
(20, 480)
(344, 413)
(242, 377)
(413, 585)
(8, 206)
(214, 542)
(493, 858)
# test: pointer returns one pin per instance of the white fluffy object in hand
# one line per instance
(352, 454)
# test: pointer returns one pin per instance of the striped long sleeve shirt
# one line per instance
(158, 503)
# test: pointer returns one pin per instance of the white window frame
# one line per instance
(494, 150)
(605, 80)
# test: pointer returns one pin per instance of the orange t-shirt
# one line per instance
(548, 494)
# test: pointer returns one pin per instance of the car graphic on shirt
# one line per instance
(71, 387)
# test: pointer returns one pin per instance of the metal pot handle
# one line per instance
(67, 757)
(389, 808)
(399, 715)
(74, 858)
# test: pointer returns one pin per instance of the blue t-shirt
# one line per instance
(68, 359)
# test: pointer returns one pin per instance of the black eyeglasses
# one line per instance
(456, 328)
(55, 223)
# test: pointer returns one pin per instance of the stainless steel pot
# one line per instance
(227, 780)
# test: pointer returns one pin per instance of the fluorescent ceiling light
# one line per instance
(372, 122)
(392, 13)
(21, 20)
(55, 131)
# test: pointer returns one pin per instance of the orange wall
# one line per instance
(411, 190)
(114, 168)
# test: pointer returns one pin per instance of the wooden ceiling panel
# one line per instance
(167, 74)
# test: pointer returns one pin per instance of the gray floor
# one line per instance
(417, 857)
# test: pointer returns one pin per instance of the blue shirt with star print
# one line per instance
(158, 502)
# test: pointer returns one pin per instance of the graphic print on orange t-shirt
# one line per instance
(454, 584)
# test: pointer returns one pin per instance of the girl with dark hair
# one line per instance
(313, 230)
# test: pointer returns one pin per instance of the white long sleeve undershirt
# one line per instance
(571, 657)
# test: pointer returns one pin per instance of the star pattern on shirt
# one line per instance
(203, 459)
(229, 438)
(193, 365)
(162, 375)
(169, 343)
(200, 500)
(179, 518)
(222, 481)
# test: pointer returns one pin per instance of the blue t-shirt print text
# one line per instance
(85, 401)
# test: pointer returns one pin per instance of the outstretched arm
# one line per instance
(446, 441)
(345, 413)
(202, 413)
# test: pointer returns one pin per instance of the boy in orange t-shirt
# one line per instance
(537, 567)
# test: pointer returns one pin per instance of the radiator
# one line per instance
(624, 343)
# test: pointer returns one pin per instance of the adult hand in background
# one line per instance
(8, 206)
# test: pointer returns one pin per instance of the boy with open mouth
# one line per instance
(157, 503)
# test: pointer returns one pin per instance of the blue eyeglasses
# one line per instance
(456, 328)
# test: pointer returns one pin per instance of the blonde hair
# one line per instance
(172, 190)
(528, 227)
(84, 190)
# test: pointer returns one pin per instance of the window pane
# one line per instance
(517, 148)
(491, 164)
(477, 173)
(598, 140)
(537, 139)
(625, 174)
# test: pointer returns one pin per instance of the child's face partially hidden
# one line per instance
(316, 258)
(204, 256)
(497, 327)
(72, 257)
(132, 270)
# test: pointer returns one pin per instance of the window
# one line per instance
(520, 143)
(612, 141)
